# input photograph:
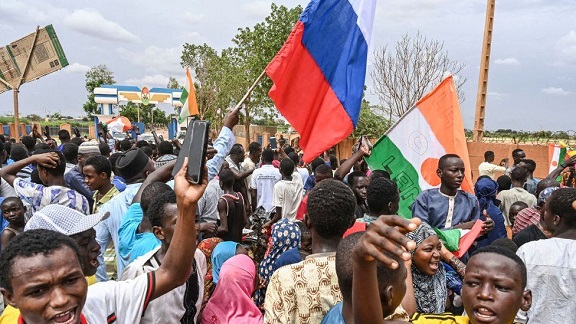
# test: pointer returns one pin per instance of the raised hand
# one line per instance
(387, 234)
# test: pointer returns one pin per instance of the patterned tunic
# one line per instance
(303, 292)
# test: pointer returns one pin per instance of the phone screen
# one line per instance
(197, 152)
(273, 143)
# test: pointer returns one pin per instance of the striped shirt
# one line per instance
(525, 218)
(38, 196)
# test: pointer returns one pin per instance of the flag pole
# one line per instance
(239, 105)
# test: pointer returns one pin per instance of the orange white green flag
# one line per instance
(188, 99)
(410, 149)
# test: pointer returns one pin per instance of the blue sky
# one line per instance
(532, 81)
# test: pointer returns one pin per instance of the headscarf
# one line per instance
(545, 194)
(221, 254)
(231, 301)
(207, 246)
(486, 190)
(285, 235)
(430, 291)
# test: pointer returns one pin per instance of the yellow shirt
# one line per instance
(11, 314)
(109, 195)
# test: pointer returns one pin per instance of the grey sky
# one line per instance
(533, 68)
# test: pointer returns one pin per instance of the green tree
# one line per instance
(143, 113)
(210, 71)
(370, 123)
(173, 84)
(34, 117)
(96, 77)
(254, 48)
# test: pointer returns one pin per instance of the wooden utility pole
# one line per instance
(484, 66)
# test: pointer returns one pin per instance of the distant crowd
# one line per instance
(102, 232)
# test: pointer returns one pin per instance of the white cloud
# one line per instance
(21, 12)
(566, 50)
(193, 18)
(497, 95)
(257, 9)
(77, 68)
(555, 91)
(90, 22)
(507, 61)
(156, 80)
(155, 60)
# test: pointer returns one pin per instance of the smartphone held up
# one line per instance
(194, 147)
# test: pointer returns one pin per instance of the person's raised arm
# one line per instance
(282, 154)
(177, 264)
(556, 172)
(153, 131)
(36, 134)
(223, 144)
(47, 160)
(385, 234)
(163, 174)
(177, 143)
(345, 168)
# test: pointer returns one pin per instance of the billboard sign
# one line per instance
(47, 57)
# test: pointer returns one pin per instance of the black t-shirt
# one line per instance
(529, 234)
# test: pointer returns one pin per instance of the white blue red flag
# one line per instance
(320, 71)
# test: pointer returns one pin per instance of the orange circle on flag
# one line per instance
(554, 163)
(428, 171)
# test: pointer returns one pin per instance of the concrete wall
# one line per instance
(538, 153)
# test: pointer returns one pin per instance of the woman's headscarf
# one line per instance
(486, 190)
(430, 291)
(221, 254)
(285, 236)
(231, 301)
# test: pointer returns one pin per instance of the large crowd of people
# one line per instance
(102, 232)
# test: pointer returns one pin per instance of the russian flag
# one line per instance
(319, 73)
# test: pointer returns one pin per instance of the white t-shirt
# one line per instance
(119, 301)
(168, 308)
(551, 268)
(303, 174)
(263, 180)
(288, 195)
(489, 169)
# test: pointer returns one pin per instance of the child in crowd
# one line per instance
(491, 271)
(231, 209)
(13, 211)
(391, 285)
(515, 208)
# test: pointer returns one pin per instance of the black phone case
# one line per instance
(197, 151)
(184, 149)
